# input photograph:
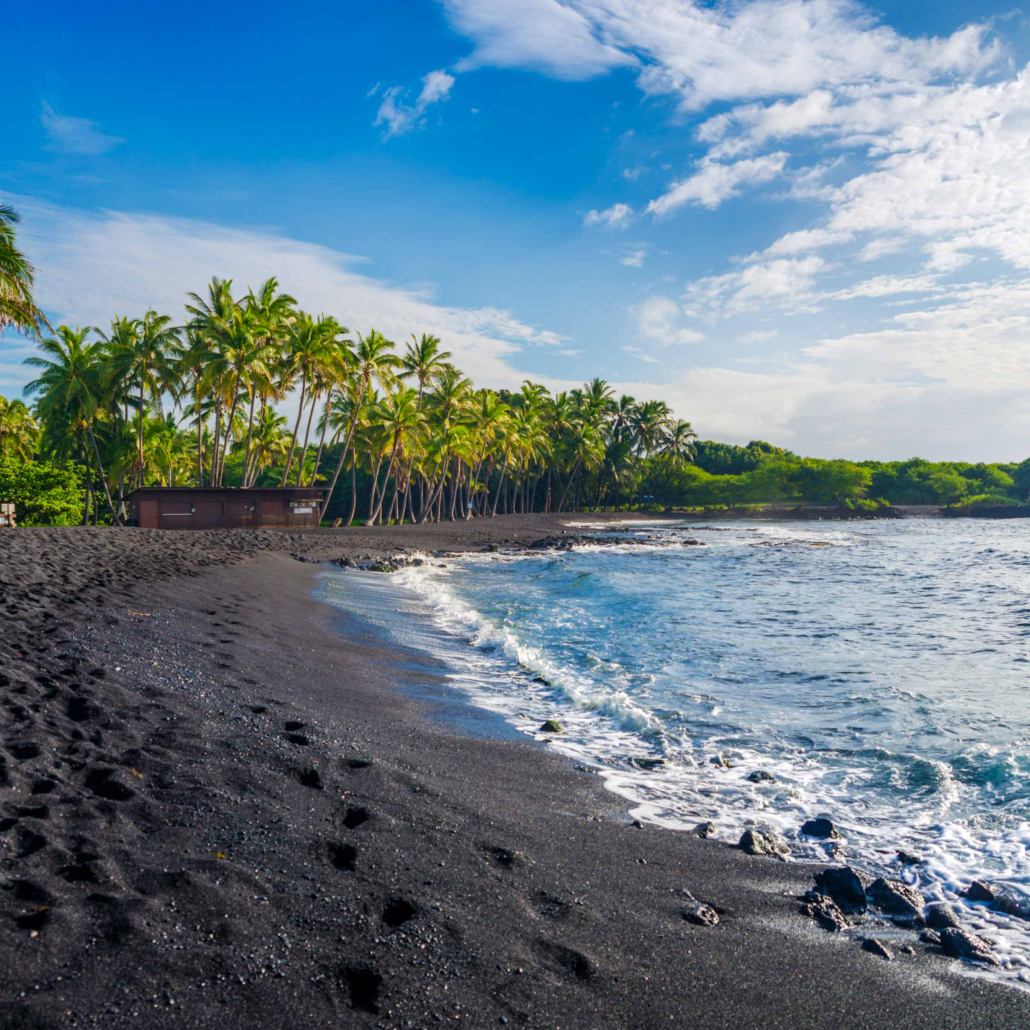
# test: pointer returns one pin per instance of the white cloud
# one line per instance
(94, 266)
(658, 319)
(715, 182)
(801, 242)
(400, 118)
(632, 174)
(372, 92)
(642, 355)
(544, 35)
(618, 216)
(701, 52)
(69, 135)
(758, 336)
(785, 283)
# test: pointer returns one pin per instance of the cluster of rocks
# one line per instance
(372, 563)
(841, 900)
(998, 899)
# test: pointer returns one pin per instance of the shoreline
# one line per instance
(434, 874)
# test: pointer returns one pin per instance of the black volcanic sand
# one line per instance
(217, 810)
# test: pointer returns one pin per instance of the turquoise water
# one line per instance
(878, 671)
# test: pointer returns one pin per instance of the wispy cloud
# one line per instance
(658, 319)
(715, 182)
(69, 135)
(399, 117)
(641, 355)
(615, 217)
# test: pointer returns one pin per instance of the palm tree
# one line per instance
(70, 384)
(274, 312)
(19, 431)
(269, 443)
(374, 362)
(486, 421)
(678, 447)
(17, 278)
(309, 345)
(141, 353)
(400, 416)
(424, 360)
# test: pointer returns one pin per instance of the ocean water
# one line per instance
(878, 671)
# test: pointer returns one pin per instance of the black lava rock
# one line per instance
(941, 916)
(902, 903)
(968, 946)
(875, 947)
(843, 885)
(755, 842)
(822, 828)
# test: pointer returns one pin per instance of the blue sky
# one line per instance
(801, 220)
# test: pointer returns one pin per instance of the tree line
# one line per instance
(392, 433)
(153, 400)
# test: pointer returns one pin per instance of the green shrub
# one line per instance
(44, 495)
(986, 501)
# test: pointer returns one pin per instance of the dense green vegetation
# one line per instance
(395, 434)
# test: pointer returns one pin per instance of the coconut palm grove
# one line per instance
(393, 432)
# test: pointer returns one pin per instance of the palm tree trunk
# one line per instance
(296, 429)
(250, 436)
(375, 490)
(346, 447)
(228, 436)
(89, 487)
(500, 485)
(307, 433)
(142, 377)
(216, 441)
(386, 480)
(353, 488)
(321, 439)
(572, 476)
(200, 436)
(100, 470)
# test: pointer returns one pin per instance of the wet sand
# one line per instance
(218, 809)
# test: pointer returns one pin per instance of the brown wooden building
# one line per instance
(169, 507)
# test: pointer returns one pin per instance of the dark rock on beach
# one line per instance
(941, 916)
(700, 914)
(761, 776)
(825, 911)
(843, 884)
(757, 842)
(907, 858)
(878, 948)
(705, 830)
(820, 827)
(1001, 899)
(904, 904)
(981, 890)
(968, 946)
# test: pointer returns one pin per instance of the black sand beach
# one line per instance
(218, 810)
